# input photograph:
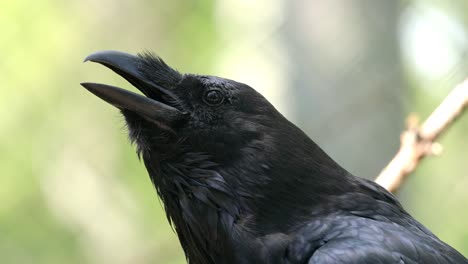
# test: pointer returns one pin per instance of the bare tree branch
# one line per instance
(419, 141)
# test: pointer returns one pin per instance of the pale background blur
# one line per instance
(348, 72)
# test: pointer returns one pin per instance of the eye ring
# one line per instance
(213, 97)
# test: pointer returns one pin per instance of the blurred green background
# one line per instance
(348, 72)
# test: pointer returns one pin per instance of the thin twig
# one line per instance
(419, 141)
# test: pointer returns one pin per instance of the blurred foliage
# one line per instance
(71, 188)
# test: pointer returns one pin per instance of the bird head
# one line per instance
(198, 124)
(186, 112)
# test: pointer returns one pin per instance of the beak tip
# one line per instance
(92, 87)
(85, 84)
(109, 56)
(93, 56)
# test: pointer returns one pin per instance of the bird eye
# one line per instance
(213, 97)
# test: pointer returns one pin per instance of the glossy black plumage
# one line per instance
(241, 184)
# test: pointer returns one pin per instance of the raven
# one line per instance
(242, 184)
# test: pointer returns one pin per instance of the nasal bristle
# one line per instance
(154, 68)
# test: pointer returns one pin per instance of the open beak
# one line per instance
(153, 107)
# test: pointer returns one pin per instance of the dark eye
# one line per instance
(213, 97)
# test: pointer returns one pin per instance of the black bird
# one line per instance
(241, 184)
